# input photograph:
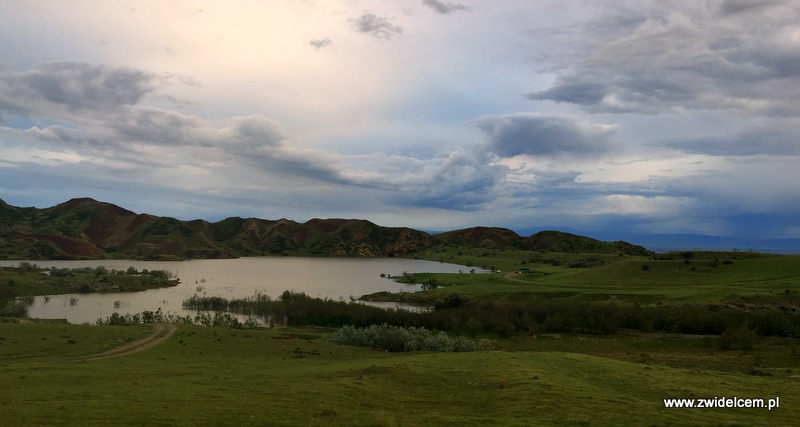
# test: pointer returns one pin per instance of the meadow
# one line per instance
(537, 373)
(217, 376)
(680, 277)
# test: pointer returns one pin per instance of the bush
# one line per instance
(505, 330)
(739, 337)
(400, 339)
(472, 326)
(451, 300)
(14, 308)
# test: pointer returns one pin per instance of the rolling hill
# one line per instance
(87, 228)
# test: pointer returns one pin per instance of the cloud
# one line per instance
(540, 135)
(575, 91)
(772, 141)
(297, 137)
(122, 133)
(730, 7)
(442, 7)
(376, 26)
(463, 179)
(131, 140)
(629, 204)
(460, 181)
(320, 43)
(731, 56)
(74, 86)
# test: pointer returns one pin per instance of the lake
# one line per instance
(233, 278)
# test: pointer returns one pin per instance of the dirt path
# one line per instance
(513, 277)
(161, 333)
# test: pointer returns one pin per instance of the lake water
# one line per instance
(232, 278)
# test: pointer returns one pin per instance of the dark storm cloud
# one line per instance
(738, 56)
(320, 43)
(76, 86)
(442, 7)
(376, 26)
(540, 135)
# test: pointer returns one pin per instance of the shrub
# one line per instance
(14, 308)
(431, 284)
(505, 330)
(451, 300)
(472, 326)
(400, 339)
(738, 337)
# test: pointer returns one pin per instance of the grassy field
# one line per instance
(705, 277)
(214, 376)
(221, 376)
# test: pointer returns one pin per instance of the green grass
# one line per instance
(705, 278)
(46, 341)
(212, 376)
(216, 376)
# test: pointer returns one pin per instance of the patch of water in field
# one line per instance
(232, 278)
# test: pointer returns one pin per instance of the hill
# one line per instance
(548, 241)
(88, 229)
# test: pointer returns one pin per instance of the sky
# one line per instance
(598, 116)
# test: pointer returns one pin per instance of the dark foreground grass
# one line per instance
(214, 376)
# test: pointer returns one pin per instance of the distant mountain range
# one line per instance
(88, 229)
(677, 242)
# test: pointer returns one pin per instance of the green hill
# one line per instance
(546, 241)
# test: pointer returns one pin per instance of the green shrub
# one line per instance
(451, 300)
(14, 308)
(400, 339)
(505, 330)
(738, 337)
(472, 326)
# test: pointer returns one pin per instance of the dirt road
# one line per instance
(161, 333)
(513, 277)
